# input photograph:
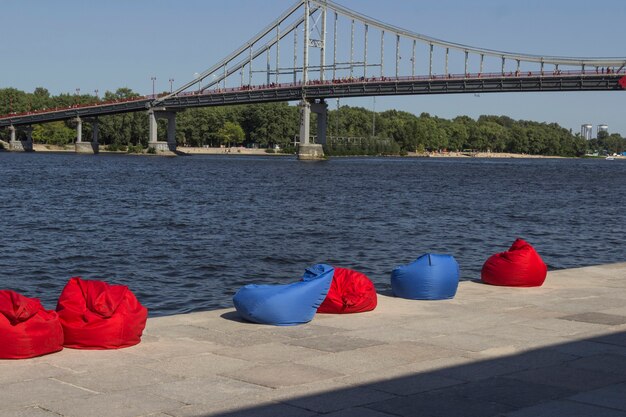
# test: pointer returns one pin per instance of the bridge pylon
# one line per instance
(92, 147)
(308, 151)
(21, 145)
(153, 142)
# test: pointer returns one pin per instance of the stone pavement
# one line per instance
(558, 350)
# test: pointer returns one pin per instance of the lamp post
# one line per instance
(171, 81)
(96, 91)
(77, 96)
(153, 80)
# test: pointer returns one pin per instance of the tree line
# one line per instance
(350, 130)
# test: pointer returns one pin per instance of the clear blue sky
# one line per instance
(67, 44)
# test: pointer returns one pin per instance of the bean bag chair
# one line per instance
(350, 292)
(96, 315)
(429, 277)
(520, 266)
(285, 305)
(26, 328)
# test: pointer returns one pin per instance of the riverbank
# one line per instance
(479, 155)
(240, 150)
(556, 350)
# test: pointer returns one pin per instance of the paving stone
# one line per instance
(586, 304)
(18, 371)
(308, 389)
(27, 412)
(439, 404)
(612, 339)
(597, 318)
(334, 343)
(118, 404)
(281, 375)
(376, 357)
(471, 342)
(565, 408)
(38, 392)
(467, 323)
(534, 313)
(269, 353)
(562, 327)
(569, 377)
(197, 366)
(521, 333)
(476, 371)
(539, 358)
(339, 399)
(392, 334)
(253, 410)
(78, 360)
(609, 363)
(613, 396)
(203, 390)
(587, 348)
(517, 394)
(357, 412)
(165, 348)
(116, 378)
(179, 319)
(414, 384)
(304, 331)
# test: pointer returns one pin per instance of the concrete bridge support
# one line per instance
(153, 142)
(92, 147)
(321, 109)
(308, 151)
(21, 145)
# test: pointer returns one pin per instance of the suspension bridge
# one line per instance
(317, 50)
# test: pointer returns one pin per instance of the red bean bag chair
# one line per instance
(350, 292)
(26, 328)
(96, 315)
(520, 266)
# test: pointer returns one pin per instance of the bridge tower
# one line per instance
(308, 151)
(21, 145)
(153, 142)
(312, 151)
(92, 147)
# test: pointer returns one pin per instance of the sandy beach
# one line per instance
(240, 150)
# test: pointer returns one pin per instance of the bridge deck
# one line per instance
(355, 87)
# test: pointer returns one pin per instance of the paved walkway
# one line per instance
(558, 350)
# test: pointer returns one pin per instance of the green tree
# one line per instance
(53, 133)
(231, 133)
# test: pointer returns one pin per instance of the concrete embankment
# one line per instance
(557, 350)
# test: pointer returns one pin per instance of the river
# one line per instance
(185, 233)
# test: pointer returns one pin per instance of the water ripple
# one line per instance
(186, 233)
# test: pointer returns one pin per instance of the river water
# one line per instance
(185, 233)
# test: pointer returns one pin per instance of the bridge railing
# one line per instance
(385, 79)
(74, 106)
(347, 80)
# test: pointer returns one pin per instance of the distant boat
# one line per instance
(610, 158)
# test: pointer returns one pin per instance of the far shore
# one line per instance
(240, 150)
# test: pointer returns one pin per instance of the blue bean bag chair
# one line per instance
(429, 277)
(285, 305)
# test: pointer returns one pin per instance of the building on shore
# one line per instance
(586, 131)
